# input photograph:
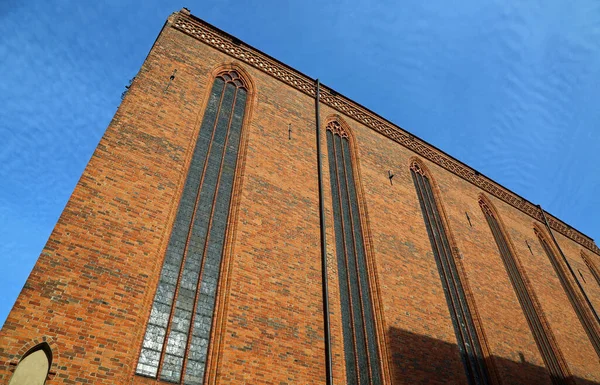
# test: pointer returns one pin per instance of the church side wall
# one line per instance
(89, 295)
(413, 300)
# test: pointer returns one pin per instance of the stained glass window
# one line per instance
(468, 341)
(360, 344)
(177, 336)
(542, 335)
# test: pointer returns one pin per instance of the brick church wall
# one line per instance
(89, 295)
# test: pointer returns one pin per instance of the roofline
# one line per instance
(299, 82)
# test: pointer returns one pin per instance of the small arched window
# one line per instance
(33, 367)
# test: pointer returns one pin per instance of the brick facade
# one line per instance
(89, 295)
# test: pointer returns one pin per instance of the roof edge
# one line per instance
(230, 45)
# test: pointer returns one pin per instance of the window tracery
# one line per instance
(468, 341)
(544, 339)
(177, 337)
(358, 323)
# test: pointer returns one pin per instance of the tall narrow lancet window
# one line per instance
(359, 332)
(542, 335)
(592, 267)
(469, 344)
(177, 336)
(576, 298)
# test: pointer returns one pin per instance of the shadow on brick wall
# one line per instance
(419, 359)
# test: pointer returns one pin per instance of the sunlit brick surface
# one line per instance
(102, 291)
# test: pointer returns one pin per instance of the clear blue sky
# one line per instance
(513, 90)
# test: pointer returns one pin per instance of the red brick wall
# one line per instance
(410, 285)
(90, 292)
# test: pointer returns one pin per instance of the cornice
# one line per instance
(223, 42)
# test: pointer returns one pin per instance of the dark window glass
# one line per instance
(592, 267)
(583, 312)
(468, 341)
(180, 322)
(358, 325)
(527, 299)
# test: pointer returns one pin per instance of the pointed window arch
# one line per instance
(576, 298)
(591, 266)
(34, 366)
(358, 323)
(175, 345)
(469, 342)
(544, 339)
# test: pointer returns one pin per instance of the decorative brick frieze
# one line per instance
(231, 46)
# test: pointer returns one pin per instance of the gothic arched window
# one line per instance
(544, 339)
(469, 344)
(176, 342)
(576, 298)
(358, 324)
(33, 367)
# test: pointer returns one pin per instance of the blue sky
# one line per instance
(510, 88)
